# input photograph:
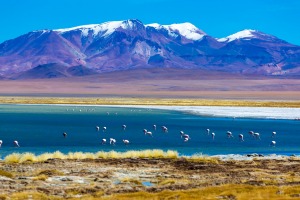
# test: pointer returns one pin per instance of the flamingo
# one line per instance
(154, 127)
(164, 129)
(207, 130)
(251, 133)
(241, 136)
(273, 134)
(97, 128)
(1, 143)
(112, 141)
(186, 139)
(184, 136)
(273, 143)
(149, 133)
(124, 127)
(229, 134)
(126, 142)
(16, 143)
(65, 134)
(213, 135)
(256, 135)
(103, 141)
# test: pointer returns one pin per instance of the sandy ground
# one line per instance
(108, 177)
(229, 111)
(160, 83)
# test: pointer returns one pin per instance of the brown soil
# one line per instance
(76, 178)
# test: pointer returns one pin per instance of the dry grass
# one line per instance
(31, 195)
(231, 191)
(13, 158)
(41, 177)
(203, 159)
(6, 174)
(50, 172)
(167, 182)
(82, 191)
(241, 192)
(29, 157)
(131, 180)
(147, 101)
(3, 197)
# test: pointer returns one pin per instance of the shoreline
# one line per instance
(136, 154)
(148, 101)
(287, 113)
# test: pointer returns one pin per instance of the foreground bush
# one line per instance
(30, 157)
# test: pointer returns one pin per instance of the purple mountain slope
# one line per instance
(129, 44)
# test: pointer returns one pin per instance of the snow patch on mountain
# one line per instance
(245, 34)
(104, 29)
(187, 30)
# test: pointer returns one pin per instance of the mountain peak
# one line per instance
(244, 34)
(248, 34)
(186, 29)
(105, 28)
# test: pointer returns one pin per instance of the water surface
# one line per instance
(39, 128)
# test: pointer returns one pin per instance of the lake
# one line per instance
(39, 129)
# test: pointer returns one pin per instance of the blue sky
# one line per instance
(218, 18)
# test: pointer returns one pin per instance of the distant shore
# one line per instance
(147, 101)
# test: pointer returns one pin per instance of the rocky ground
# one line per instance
(106, 178)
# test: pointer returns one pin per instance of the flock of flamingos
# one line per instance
(185, 137)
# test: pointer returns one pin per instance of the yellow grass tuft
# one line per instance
(13, 158)
(90, 156)
(58, 155)
(171, 154)
(45, 156)
(75, 156)
(27, 157)
(30, 157)
(114, 155)
(101, 154)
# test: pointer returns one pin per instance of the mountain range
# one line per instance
(130, 44)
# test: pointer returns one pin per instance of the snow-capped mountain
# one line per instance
(187, 30)
(129, 44)
(248, 34)
(104, 29)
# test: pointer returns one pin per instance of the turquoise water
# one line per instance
(39, 128)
